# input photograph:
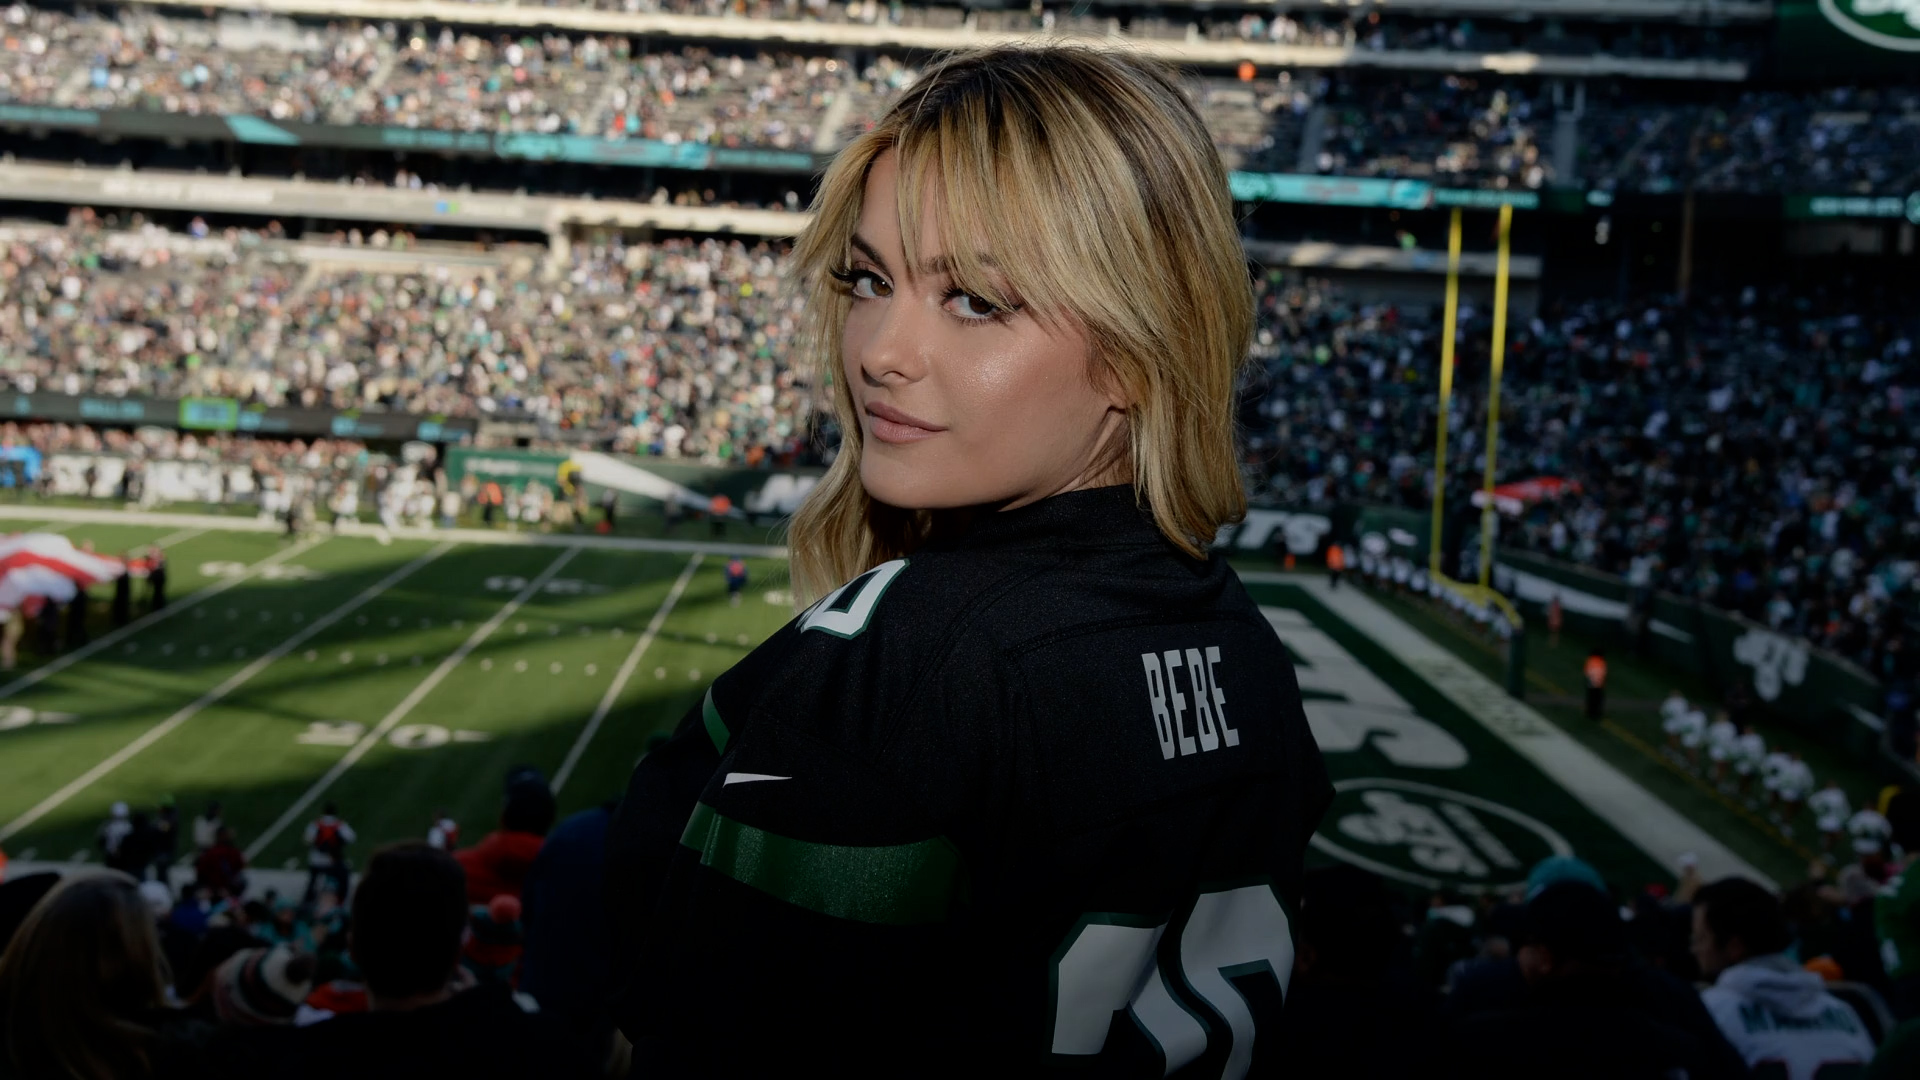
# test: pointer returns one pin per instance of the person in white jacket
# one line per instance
(1768, 1006)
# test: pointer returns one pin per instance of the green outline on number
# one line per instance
(909, 884)
(1093, 918)
(1212, 1015)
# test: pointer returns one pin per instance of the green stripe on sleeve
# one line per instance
(892, 884)
(716, 727)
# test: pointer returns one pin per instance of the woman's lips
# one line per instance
(890, 425)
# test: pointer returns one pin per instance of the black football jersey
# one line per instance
(1034, 798)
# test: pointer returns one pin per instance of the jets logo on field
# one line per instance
(1434, 837)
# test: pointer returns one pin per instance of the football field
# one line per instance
(404, 678)
(395, 679)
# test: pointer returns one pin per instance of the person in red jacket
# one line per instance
(498, 864)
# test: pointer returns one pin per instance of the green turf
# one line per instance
(1632, 740)
(1492, 771)
(261, 746)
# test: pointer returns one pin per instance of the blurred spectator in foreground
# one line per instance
(1768, 1006)
(409, 918)
(499, 862)
(566, 964)
(1587, 1010)
(1896, 911)
(83, 990)
(1353, 1007)
(18, 895)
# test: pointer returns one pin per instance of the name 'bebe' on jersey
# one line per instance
(1194, 720)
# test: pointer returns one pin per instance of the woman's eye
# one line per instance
(868, 286)
(971, 307)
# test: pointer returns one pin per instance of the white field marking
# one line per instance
(750, 777)
(626, 672)
(66, 660)
(180, 537)
(418, 694)
(1637, 814)
(233, 682)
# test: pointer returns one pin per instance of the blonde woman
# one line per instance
(1028, 784)
(83, 990)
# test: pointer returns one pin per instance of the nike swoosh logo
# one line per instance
(749, 777)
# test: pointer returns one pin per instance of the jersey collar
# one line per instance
(1093, 517)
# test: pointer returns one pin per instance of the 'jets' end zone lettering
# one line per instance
(1169, 706)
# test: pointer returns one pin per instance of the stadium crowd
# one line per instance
(681, 342)
(1751, 449)
(1464, 129)
(492, 960)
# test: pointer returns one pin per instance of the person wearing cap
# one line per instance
(1769, 1007)
(263, 986)
(1586, 1009)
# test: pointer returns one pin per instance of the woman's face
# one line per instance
(963, 403)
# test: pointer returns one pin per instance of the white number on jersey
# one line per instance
(1228, 934)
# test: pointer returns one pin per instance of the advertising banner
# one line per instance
(228, 414)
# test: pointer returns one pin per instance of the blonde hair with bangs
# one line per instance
(1090, 184)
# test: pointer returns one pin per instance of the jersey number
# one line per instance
(845, 611)
(1111, 963)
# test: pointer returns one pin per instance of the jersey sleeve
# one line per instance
(789, 878)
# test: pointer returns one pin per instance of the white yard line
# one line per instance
(66, 660)
(180, 537)
(1636, 813)
(372, 738)
(626, 672)
(226, 523)
(233, 682)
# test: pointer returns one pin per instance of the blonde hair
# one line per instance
(1094, 188)
(76, 979)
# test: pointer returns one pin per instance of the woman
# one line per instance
(1033, 762)
(83, 988)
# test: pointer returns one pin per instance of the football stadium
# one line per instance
(408, 428)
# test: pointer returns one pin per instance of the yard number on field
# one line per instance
(406, 736)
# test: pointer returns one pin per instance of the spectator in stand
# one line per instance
(1768, 1006)
(444, 833)
(327, 838)
(166, 836)
(222, 868)
(499, 863)
(409, 919)
(1587, 1009)
(113, 835)
(83, 990)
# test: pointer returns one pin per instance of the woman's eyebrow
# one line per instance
(871, 252)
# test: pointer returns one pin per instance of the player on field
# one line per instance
(1693, 734)
(1830, 813)
(1870, 832)
(1749, 752)
(1029, 784)
(1673, 713)
(1793, 784)
(1722, 744)
(736, 579)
